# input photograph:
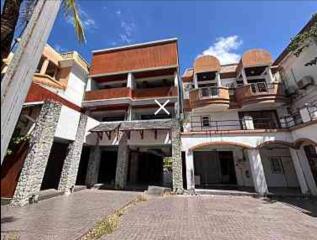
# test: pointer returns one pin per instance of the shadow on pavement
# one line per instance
(305, 205)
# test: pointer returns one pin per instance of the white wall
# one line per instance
(67, 123)
(249, 139)
(75, 89)
(287, 178)
(309, 132)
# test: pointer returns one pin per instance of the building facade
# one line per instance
(244, 129)
(133, 95)
(128, 121)
(47, 143)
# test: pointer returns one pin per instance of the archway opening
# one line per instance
(279, 170)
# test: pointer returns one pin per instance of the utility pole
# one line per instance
(18, 78)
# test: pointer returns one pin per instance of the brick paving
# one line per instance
(215, 217)
(64, 217)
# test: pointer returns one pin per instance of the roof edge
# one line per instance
(134, 45)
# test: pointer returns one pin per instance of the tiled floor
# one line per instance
(64, 217)
(216, 217)
(175, 217)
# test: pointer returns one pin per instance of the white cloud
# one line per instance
(88, 22)
(127, 26)
(224, 48)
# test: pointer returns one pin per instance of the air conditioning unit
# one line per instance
(290, 91)
(305, 82)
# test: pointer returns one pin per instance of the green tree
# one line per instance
(15, 10)
(304, 39)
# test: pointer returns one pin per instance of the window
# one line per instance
(205, 121)
(276, 165)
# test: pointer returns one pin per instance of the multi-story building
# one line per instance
(129, 121)
(49, 135)
(238, 132)
(133, 95)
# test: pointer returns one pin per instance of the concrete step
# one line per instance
(49, 193)
(224, 192)
(79, 188)
(157, 190)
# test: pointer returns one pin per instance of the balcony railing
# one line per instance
(155, 92)
(199, 124)
(110, 93)
(209, 96)
(259, 91)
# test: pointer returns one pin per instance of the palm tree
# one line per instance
(19, 10)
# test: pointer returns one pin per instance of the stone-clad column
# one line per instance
(71, 163)
(177, 158)
(93, 166)
(122, 162)
(41, 141)
(257, 171)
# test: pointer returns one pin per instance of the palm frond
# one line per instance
(71, 11)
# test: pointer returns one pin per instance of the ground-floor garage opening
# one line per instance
(108, 165)
(214, 169)
(54, 165)
(279, 169)
(149, 166)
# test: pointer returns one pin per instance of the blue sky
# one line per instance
(225, 29)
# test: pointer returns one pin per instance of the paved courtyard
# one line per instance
(175, 217)
(219, 217)
(64, 217)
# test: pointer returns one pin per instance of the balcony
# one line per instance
(209, 98)
(155, 92)
(47, 80)
(112, 93)
(200, 124)
(260, 93)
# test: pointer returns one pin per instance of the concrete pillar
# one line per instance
(244, 77)
(190, 179)
(177, 158)
(269, 75)
(122, 162)
(195, 81)
(299, 171)
(44, 66)
(93, 166)
(176, 79)
(41, 141)
(134, 167)
(130, 81)
(307, 171)
(129, 113)
(218, 79)
(257, 171)
(71, 163)
(248, 122)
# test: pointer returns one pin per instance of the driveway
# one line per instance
(217, 217)
(64, 217)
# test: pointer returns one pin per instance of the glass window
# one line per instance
(205, 121)
(276, 165)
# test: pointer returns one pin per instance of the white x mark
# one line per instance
(162, 107)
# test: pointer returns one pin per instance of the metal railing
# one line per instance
(199, 123)
(208, 92)
(261, 87)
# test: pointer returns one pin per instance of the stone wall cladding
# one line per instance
(177, 158)
(71, 163)
(122, 162)
(41, 141)
(93, 166)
